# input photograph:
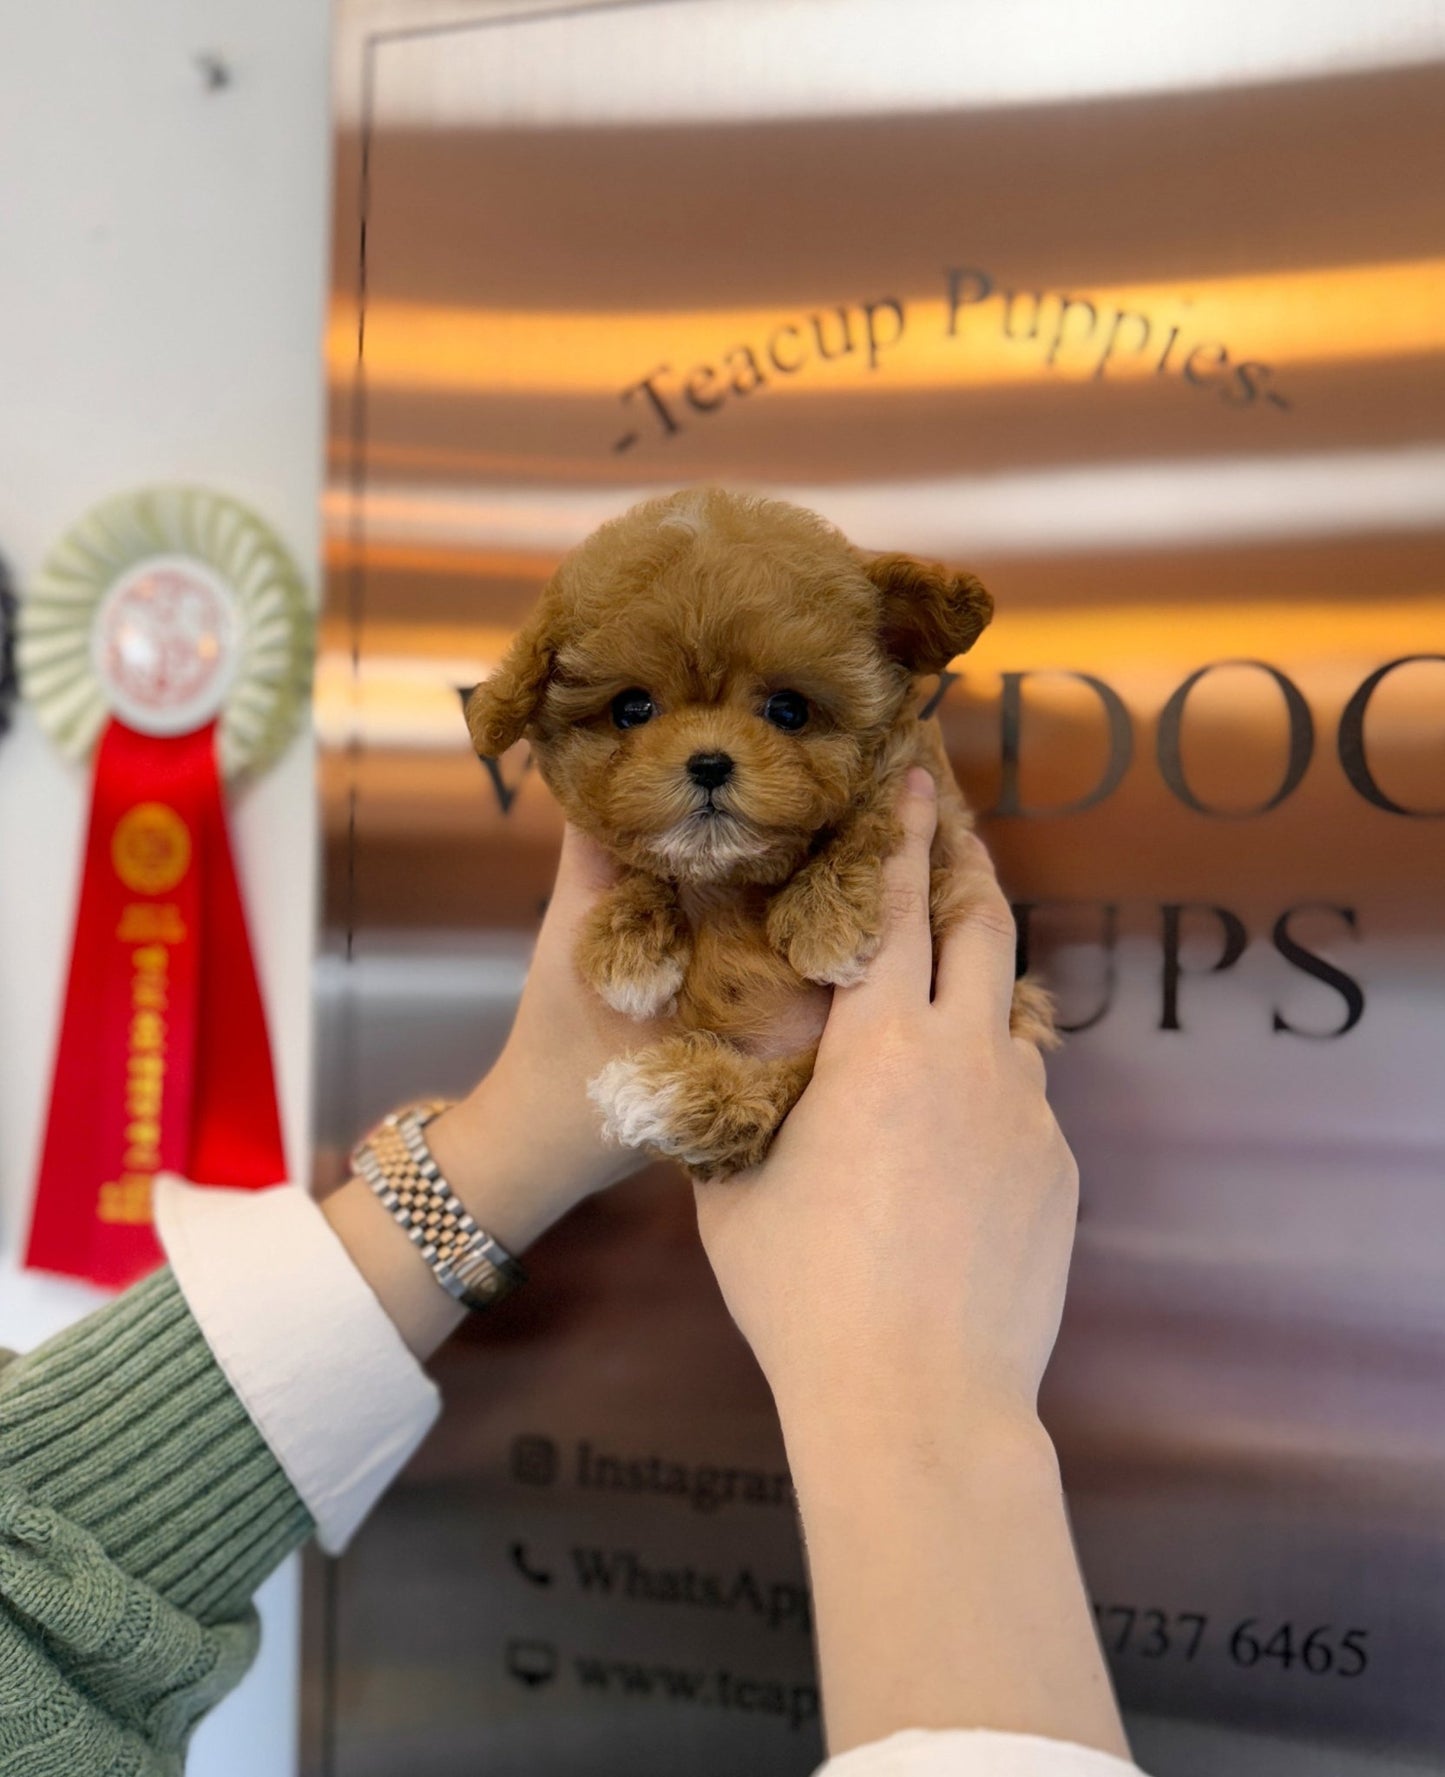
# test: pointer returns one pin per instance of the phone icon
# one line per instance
(538, 1576)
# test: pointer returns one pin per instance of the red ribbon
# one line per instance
(164, 1063)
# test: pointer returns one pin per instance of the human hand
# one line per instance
(526, 1143)
(905, 1246)
(897, 1264)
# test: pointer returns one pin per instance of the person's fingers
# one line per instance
(976, 959)
(898, 977)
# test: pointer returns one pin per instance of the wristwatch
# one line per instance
(397, 1164)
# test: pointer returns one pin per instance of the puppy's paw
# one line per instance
(634, 952)
(824, 933)
(696, 1100)
(637, 1105)
(640, 989)
(832, 959)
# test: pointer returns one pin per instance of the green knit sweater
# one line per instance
(139, 1510)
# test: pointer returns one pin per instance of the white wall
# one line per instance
(163, 249)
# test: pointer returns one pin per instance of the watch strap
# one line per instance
(398, 1166)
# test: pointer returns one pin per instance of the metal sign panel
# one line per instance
(1146, 330)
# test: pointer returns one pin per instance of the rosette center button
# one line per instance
(166, 645)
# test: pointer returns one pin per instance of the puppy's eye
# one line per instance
(787, 710)
(630, 709)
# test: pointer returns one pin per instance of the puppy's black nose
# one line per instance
(710, 771)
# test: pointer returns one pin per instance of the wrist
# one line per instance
(907, 1440)
(497, 1179)
(945, 1585)
(490, 1172)
(517, 1164)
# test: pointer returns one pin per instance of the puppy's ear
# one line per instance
(929, 613)
(500, 708)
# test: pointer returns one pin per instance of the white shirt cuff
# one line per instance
(974, 1752)
(313, 1356)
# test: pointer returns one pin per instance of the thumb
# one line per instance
(585, 871)
(900, 976)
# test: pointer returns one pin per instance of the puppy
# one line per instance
(725, 694)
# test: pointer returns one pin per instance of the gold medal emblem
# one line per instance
(151, 848)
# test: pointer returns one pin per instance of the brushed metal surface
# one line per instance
(1140, 320)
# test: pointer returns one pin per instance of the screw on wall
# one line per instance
(215, 70)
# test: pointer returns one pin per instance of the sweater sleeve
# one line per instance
(139, 1510)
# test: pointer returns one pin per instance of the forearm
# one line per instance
(945, 1585)
(526, 1144)
(512, 1165)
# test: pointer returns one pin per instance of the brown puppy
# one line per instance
(724, 693)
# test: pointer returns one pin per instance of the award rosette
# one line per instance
(169, 637)
(7, 648)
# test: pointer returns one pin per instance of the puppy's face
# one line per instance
(711, 714)
(708, 680)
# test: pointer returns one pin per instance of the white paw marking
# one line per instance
(847, 971)
(646, 996)
(634, 1112)
(844, 974)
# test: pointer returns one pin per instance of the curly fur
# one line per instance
(748, 900)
